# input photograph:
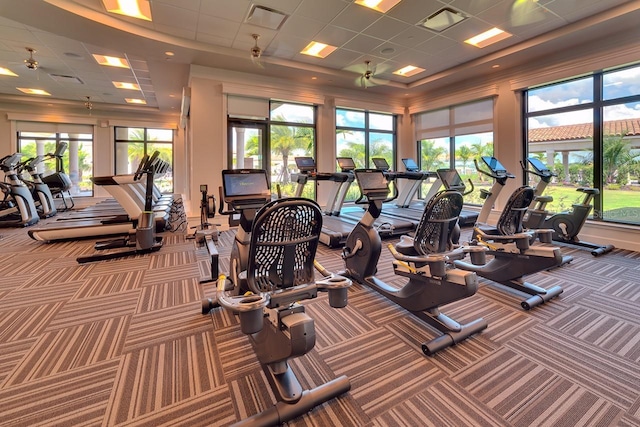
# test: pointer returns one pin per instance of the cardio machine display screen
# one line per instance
(346, 163)
(245, 184)
(450, 178)
(410, 165)
(493, 163)
(538, 165)
(380, 163)
(371, 180)
(305, 163)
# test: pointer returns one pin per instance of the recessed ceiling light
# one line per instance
(33, 91)
(314, 78)
(443, 19)
(487, 38)
(379, 5)
(7, 72)
(111, 61)
(169, 53)
(139, 9)
(495, 66)
(408, 71)
(135, 101)
(317, 49)
(125, 85)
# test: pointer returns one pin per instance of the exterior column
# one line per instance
(565, 163)
(239, 147)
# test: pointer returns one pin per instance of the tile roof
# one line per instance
(584, 131)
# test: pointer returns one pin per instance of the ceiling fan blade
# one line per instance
(356, 68)
(374, 81)
(256, 61)
(524, 12)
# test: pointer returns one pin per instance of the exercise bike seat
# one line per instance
(433, 233)
(510, 220)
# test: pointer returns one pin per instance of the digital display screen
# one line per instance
(493, 164)
(305, 163)
(380, 163)
(538, 165)
(410, 165)
(450, 178)
(245, 183)
(346, 163)
(371, 180)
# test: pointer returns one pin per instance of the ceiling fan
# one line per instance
(256, 51)
(30, 62)
(367, 78)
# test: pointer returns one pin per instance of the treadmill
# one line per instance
(386, 225)
(335, 229)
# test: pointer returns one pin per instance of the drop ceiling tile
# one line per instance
(286, 6)
(214, 26)
(232, 10)
(474, 7)
(186, 33)
(413, 36)
(173, 16)
(356, 18)
(302, 27)
(184, 4)
(436, 45)
(214, 40)
(324, 10)
(334, 36)
(363, 44)
(385, 28)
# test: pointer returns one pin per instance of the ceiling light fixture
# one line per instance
(443, 19)
(487, 38)
(380, 5)
(111, 61)
(139, 9)
(408, 71)
(33, 91)
(125, 85)
(317, 49)
(7, 72)
(88, 104)
(135, 101)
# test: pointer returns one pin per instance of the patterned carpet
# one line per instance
(123, 342)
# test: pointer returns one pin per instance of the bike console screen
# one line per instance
(451, 179)
(346, 164)
(373, 183)
(245, 186)
(494, 164)
(410, 165)
(538, 165)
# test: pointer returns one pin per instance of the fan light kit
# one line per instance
(31, 63)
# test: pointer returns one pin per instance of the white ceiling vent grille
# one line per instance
(62, 78)
(266, 17)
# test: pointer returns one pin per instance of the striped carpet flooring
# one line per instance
(124, 343)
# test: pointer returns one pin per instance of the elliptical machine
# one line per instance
(59, 182)
(281, 244)
(433, 281)
(40, 191)
(17, 208)
(512, 248)
(566, 225)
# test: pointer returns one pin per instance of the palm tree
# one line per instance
(616, 154)
(432, 155)
(464, 153)
(286, 139)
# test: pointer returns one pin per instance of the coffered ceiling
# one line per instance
(218, 33)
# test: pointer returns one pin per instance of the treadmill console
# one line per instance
(305, 164)
(373, 183)
(246, 188)
(346, 164)
(410, 165)
(381, 163)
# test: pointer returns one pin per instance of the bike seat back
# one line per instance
(439, 218)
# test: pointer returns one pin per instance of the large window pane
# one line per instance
(564, 94)
(434, 155)
(381, 121)
(351, 144)
(292, 113)
(621, 163)
(349, 118)
(467, 149)
(618, 84)
(287, 143)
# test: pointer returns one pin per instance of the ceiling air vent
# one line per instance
(443, 19)
(266, 17)
(62, 78)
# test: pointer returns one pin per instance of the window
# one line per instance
(77, 160)
(454, 137)
(274, 143)
(132, 144)
(364, 135)
(581, 126)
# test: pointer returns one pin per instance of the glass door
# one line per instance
(247, 145)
